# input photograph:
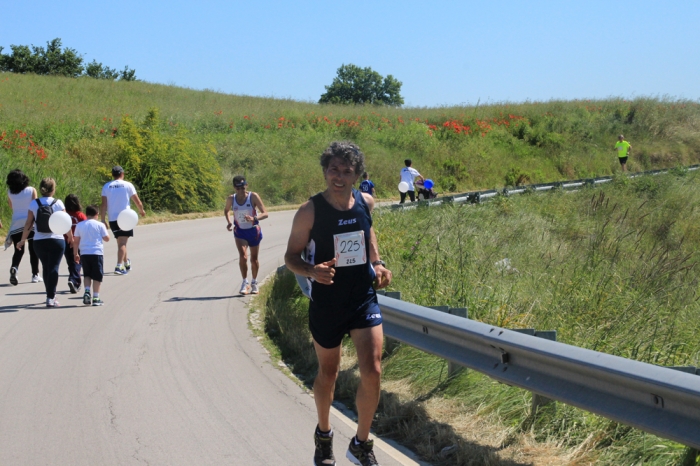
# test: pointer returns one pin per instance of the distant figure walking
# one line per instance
(623, 149)
(117, 196)
(49, 246)
(248, 210)
(20, 195)
(408, 174)
(366, 186)
(75, 210)
(90, 235)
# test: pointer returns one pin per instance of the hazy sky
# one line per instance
(445, 53)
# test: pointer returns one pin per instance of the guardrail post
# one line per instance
(452, 368)
(539, 401)
(390, 344)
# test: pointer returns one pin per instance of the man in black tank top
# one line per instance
(341, 260)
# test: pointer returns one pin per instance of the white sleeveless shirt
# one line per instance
(241, 210)
(20, 207)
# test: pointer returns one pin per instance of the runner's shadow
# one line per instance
(26, 294)
(202, 298)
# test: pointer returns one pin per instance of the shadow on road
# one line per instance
(201, 298)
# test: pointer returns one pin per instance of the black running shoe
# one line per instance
(71, 286)
(362, 454)
(13, 276)
(324, 449)
(87, 299)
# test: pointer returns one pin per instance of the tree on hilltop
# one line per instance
(355, 85)
(54, 61)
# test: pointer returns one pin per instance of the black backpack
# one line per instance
(43, 213)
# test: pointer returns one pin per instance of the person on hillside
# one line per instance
(19, 196)
(341, 262)
(623, 149)
(366, 186)
(248, 210)
(49, 246)
(117, 196)
(89, 251)
(408, 174)
(74, 209)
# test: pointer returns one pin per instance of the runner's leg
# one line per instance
(121, 249)
(33, 258)
(368, 344)
(242, 246)
(324, 384)
(254, 263)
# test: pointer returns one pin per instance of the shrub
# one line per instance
(170, 170)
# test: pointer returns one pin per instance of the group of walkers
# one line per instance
(82, 246)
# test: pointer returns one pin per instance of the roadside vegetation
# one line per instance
(75, 129)
(612, 269)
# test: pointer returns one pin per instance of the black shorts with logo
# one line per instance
(329, 325)
(114, 226)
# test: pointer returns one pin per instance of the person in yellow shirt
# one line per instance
(623, 149)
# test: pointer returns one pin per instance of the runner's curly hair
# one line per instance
(346, 150)
(17, 181)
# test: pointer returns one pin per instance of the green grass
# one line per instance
(612, 269)
(276, 142)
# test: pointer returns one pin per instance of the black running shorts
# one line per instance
(329, 325)
(114, 226)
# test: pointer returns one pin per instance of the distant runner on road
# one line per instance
(248, 210)
(334, 231)
(117, 196)
(623, 149)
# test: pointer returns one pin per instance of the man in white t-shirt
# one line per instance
(408, 174)
(117, 196)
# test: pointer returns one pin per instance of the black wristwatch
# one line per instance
(379, 262)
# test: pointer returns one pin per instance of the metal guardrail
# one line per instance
(477, 197)
(662, 401)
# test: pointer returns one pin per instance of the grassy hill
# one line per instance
(75, 127)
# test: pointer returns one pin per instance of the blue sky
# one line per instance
(445, 53)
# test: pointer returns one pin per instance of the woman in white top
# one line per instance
(49, 246)
(19, 196)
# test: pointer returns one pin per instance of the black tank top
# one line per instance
(352, 284)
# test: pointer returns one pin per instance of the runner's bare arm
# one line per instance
(383, 274)
(27, 226)
(298, 239)
(103, 211)
(258, 204)
(138, 203)
(76, 248)
(369, 200)
(227, 210)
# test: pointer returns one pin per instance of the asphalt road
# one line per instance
(166, 373)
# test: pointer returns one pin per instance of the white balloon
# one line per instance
(60, 222)
(403, 187)
(127, 219)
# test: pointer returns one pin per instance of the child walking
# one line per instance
(89, 251)
(74, 209)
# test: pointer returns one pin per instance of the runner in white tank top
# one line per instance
(248, 210)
